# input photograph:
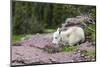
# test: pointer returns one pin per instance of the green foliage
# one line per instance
(26, 19)
(93, 36)
(16, 38)
(93, 13)
(49, 30)
(90, 53)
(34, 17)
(89, 32)
(68, 48)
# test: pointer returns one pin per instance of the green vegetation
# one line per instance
(89, 32)
(68, 48)
(90, 53)
(16, 38)
(35, 17)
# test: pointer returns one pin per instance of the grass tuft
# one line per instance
(90, 53)
(16, 38)
(68, 48)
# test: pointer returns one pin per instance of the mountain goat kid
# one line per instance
(72, 36)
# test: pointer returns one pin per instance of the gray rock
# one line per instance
(35, 51)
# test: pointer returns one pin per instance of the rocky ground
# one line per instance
(38, 49)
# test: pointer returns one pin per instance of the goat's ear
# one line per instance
(58, 29)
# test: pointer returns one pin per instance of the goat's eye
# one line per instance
(55, 37)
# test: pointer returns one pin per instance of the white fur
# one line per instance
(71, 36)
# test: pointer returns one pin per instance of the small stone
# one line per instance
(86, 57)
(82, 55)
(75, 52)
(78, 51)
(72, 60)
(80, 60)
(93, 59)
(93, 43)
